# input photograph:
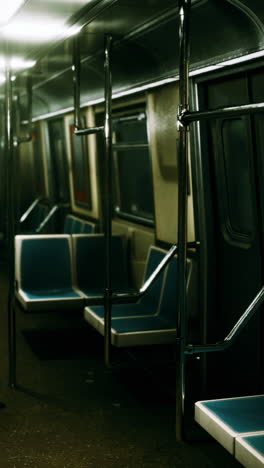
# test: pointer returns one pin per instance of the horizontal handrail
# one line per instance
(128, 147)
(25, 139)
(233, 334)
(187, 117)
(88, 130)
(30, 209)
(47, 218)
(127, 298)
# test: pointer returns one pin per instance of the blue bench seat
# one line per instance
(228, 419)
(153, 320)
(89, 258)
(44, 273)
(75, 225)
(149, 303)
(249, 449)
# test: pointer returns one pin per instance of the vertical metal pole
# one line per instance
(184, 7)
(108, 199)
(10, 228)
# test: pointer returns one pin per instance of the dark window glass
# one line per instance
(133, 174)
(38, 163)
(239, 189)
(58, 161)
(81, 181)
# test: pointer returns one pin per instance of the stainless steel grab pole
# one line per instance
(108, 199)
(184, 9)
(9, 141)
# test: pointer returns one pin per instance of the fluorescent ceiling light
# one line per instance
(38, 31)
(32, 30)
(8, 9)
(16, 63)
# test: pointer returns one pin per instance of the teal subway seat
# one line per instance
(153, 320)
(237, 424)
(62, 271)
(75, 225)
(249, 449)
(89, 256)
(44, 273)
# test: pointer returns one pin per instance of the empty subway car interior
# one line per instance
(132, 233)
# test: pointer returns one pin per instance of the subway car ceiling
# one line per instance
(145, 44)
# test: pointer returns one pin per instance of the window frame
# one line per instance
(121, 115)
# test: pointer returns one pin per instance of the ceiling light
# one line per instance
(38, 31)
(32, 31)
(16, 63)
(8, 9)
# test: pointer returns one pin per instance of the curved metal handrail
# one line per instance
(50, 214)
(128, 298)
(234, 333)
(47, 218)
(30, 209)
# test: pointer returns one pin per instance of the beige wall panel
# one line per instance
(162, 112)
(44, 157)
(139, 239)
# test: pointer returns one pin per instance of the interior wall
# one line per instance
(164, 137)
(139, 240)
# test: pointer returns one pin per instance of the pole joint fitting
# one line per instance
(181, 112)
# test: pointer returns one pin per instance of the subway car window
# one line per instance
(38, 163)
(239, 190)
(133, 172)
(58, 161)
(81, 170)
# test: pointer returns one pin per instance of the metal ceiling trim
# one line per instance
(136, 33)
(249, 13)
(148, 86)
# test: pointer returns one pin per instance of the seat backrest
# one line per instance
(74, 225)
(43, 262)
(68, 224)
(77, 226)
(168, 305)
(89, 255)
(88, 227)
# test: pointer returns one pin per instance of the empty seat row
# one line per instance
(153, 320)
(62, 271)
(65, 271)
(74, 225)
(237, 424)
